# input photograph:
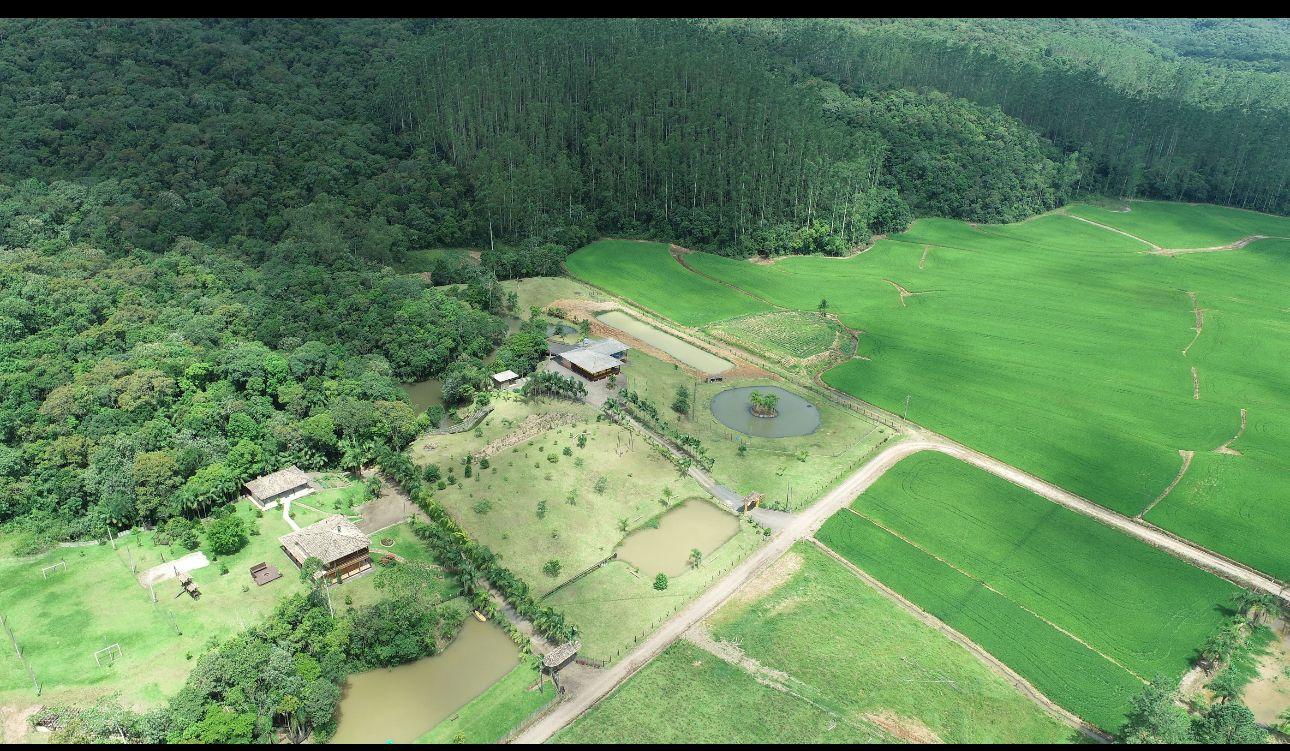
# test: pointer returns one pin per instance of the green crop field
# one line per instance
(686, 695)
(646, 273)
(965, 530)
(1067, 350)
(827, 638)
(787, 333)
(1181, 225)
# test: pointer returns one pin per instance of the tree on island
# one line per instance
(764, 405)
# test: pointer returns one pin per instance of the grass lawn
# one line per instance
(965, 531)
(540, 291)
(500, 505)
(809, 465)
(98, 601)
(646, 273)
(493, 714)
(615, 606)
(1058, 347)
(686, 695)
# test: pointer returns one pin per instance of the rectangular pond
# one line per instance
(701, 360)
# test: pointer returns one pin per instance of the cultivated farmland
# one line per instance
(815, 636)
(966, 545)
(646, 273)
(1073, 352)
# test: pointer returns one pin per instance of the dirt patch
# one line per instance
(1213, 249)
(699, 636)
(1199, 313)
(923, 260)
(1186, 462)
(904, 728)
(775, 576)
(1195, 384)
(1268, 695)
(171, 569)
(13, 722)
(1226, 448)
(1154, 248)
(391, 507)
(904, 292)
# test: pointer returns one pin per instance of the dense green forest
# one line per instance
(199, 219)
(1145, 121)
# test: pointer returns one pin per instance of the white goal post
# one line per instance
(110, 653)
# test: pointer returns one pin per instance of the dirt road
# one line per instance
(802, 526)
(805, 524)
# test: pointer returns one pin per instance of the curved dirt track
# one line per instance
(805, 524)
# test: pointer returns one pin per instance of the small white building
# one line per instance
(284, 485)
(505, 378)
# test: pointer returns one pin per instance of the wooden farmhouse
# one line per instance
(336, 541)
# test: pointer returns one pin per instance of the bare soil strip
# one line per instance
(1149, 244)
(923, 260)
(1226, 448)
(1186, 462)
(1195, 384)
(1199, 313)
(903, 292)
(1216, 248)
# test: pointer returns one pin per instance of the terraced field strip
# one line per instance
(1061, 668)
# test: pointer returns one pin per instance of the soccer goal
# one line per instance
(53, 568)
(107, 655)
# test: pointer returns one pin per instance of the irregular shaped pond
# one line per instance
(666, 549)
(796, 416)
(398, 705)
(700, 360)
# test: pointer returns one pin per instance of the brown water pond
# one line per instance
(424, 394)
(695, 523)
(399, 704)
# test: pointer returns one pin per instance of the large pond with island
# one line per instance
(748, 410)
